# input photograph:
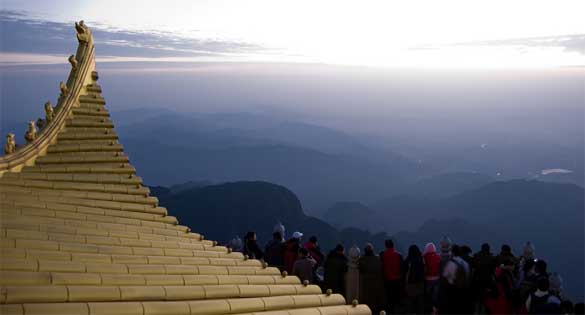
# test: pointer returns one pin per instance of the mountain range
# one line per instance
(321, 165)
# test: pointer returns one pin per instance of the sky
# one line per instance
(408, 76)
(406, 34)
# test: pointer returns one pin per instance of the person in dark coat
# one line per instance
(274, 251)
(541, 269)
(414, 270)
(251, 247)
(542, 301)
(525, 284)
(335, 269)
(505, 255)
(484, 265)
(466, 255)
(371, 283)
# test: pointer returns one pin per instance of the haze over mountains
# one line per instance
(513, 123)
(320, 164)
(229, 147)
(347, 191)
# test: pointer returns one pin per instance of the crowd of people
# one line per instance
(448, 280)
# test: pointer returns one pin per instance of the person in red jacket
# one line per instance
(432, 270)
(314, 250)
(499, 296)
(291, 251)
(392, 272)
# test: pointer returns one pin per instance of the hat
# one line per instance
(279, 228)
(430, 248)
(297, 234)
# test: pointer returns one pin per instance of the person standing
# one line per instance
(505, 254)
(525, 284)
(415, 278)
(392, 271)
(304, 266)
(314, 250)
(432, 262)
(335, 270)
(445, 246)
(527, 254)
(274, 251)
(291, 251)
(251, 247)
(484, 263)
(454, 295)
(352, 278)
(500, 295)
(371, 283)
(542, 301)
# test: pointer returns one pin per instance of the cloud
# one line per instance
(570, 43)
(22, 34)
(555, 171)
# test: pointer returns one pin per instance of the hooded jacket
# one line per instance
(432, 262)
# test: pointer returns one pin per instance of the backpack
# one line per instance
(461, 277)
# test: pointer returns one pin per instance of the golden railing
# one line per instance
(82, 73)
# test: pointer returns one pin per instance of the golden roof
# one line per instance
(81, 235)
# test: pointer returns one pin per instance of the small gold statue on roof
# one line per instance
(49, 112)
(63, 88)
(73, 62)
(10, 145)
(82, 32)
(31, 133)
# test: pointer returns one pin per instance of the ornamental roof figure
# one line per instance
(31, 132)
(10, 145)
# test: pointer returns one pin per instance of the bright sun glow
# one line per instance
(427, 34)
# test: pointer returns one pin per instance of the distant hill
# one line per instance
(224, 211)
